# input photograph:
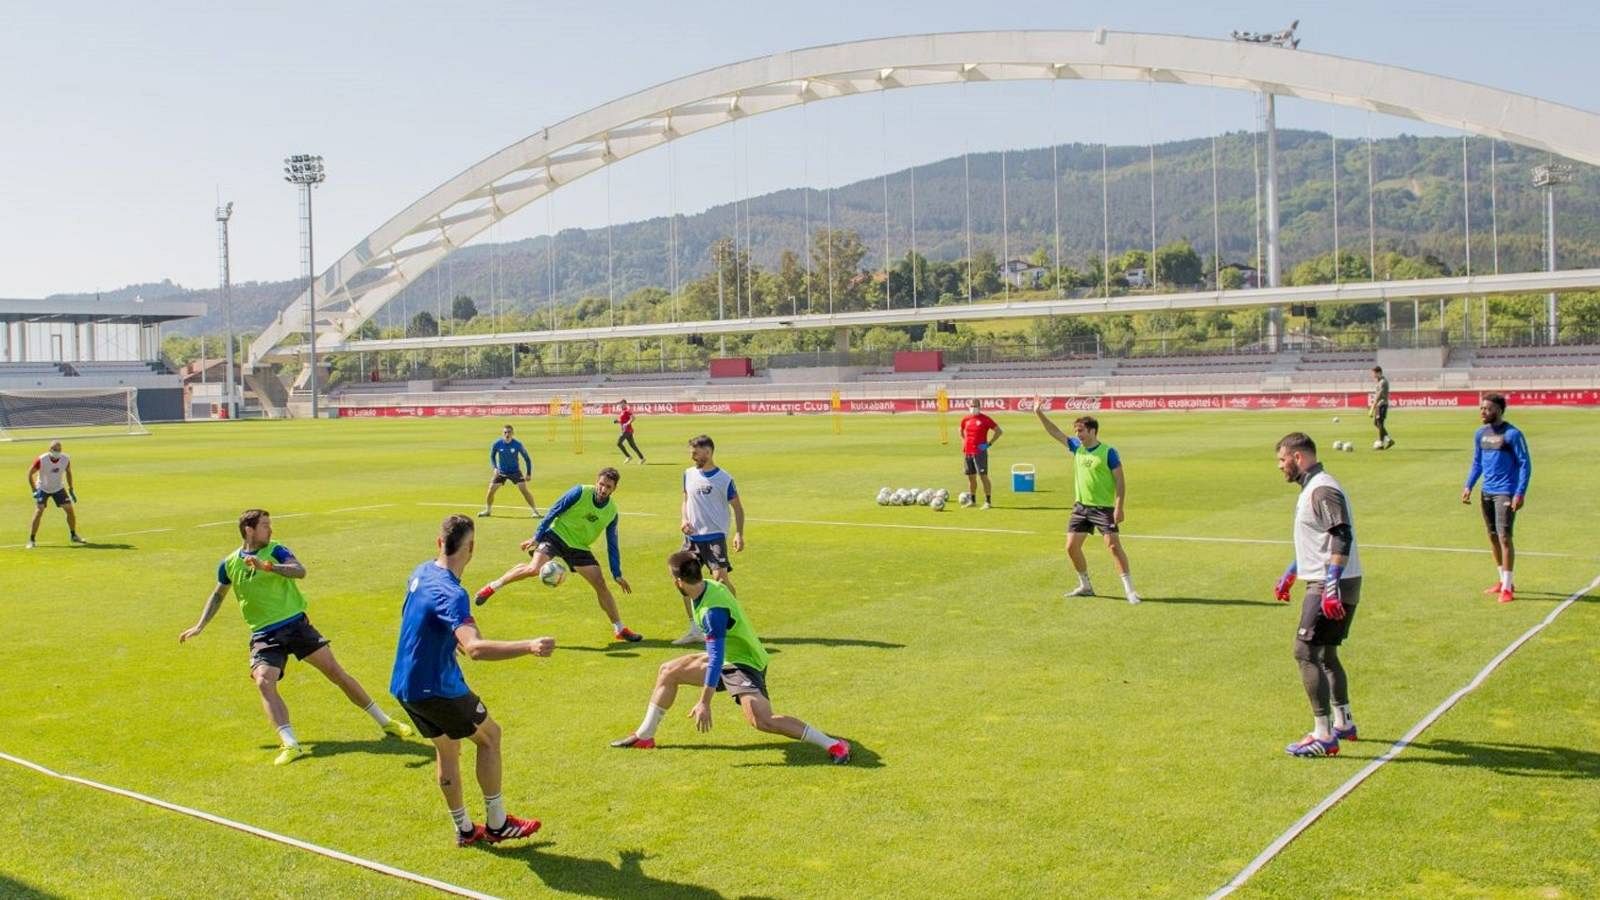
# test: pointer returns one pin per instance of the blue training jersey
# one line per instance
(506, 455)
(425, 661)
(1500, 455)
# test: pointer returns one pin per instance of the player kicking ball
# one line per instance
(566, 533)
(734, 661)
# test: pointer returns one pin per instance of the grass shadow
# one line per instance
(384, 746)
(1521, 760)
(831, 642)
(1211, 601)
(10, 887)
(795, 753)
(598, 877)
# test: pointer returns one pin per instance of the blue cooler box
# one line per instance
(1022, 478)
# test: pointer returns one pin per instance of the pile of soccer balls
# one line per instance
(934, 498)
(1345, 446)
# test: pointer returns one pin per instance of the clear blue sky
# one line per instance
(122, 120)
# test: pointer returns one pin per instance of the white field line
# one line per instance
(1364, 546)
(1328, 802)
(258, 832)
(360, 508)
(275, 517)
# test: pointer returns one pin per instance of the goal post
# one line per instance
(83, 412)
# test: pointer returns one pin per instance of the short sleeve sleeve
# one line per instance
(281, 554)
(222, 573)
(454, 608)
(1113, 460)
(733, 492)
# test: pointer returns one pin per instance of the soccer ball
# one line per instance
(937, 504)
(1336, 420)
(1349, 447)
(553, 572)
(942, 494)
(966, 498)
(883, 496)
(925, 497)
(1338, 445)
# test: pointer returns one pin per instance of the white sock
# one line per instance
(1341, 715)
(652, 721)
(1322, 729)
(616, 626)
(813, 736)
(494, 811)
(1127, 583)
(497, 584)
(378, 715)
(286, 736)
(463, 821)
(1505, 579)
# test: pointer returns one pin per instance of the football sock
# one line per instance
(1127, 583)
(1083, 578)
(286, 736)
(616, 626)
(377, 714)
(1505, 579)
(494, 812)
(813, 736)
(463, 821)
(1322, 729)
(1341, 715)
(652, 721)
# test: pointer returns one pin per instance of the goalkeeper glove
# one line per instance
(38, 496)
(72, 495)
(983, 447)
(1332, 602)
(1281, 589)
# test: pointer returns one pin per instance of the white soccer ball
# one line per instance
(883, 496)
(1349, 447)
(553, 572)
(942, 494)
(1377, 445)
(1338, 445)
(966, 498)
(937, 504)
(1336, 419)
(925, 497)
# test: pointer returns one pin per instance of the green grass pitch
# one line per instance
(1008, 742)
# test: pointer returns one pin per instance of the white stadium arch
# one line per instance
(355, 287)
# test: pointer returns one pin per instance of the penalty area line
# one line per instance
(298, 844)
(1365, 546)
(1399, 746)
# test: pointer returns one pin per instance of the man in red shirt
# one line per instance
(975, 444)
(625, 420)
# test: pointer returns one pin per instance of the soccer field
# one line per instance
(1008, 742)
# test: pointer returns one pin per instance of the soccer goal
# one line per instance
(81, 412)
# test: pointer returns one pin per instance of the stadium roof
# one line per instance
(123, 312)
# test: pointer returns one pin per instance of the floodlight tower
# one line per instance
(223, 214)
(1547, 177)
(306, 171)
(1287, 40)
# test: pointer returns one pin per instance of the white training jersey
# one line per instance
(709, 494)
(52, 472)
(1322, 506)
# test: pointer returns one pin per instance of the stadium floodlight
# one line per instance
(1548, 177)
(224, 213)
(305, 170)
(1287, 40)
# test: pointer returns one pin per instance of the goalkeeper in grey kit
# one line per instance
(1325, 557)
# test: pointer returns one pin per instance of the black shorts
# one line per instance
(513, 477)
(61, 497)
(739, 680)
(272, 648)
(454, 717)
(713, 554)
(554, 547)
(1498, 516)
(1380, 412)
(977, 463)
(1085, 519)
(1317, 629)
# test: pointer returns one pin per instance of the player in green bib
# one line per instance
(262, 573)
(1098, 490)
(571, 525)
(734, 661)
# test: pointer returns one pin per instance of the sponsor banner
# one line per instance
(1120, 403)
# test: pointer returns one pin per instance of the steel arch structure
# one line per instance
(360, 282)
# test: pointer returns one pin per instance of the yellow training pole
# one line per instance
(838, 420)
(942, 402)
(577, 426)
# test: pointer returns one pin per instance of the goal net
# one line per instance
(79, 411)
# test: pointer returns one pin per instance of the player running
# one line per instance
(976, 440)
(1378, 410)
(435, 621)
(1500, 455)
(734, 661)
(624, 420)
(567, 531)
(1098, 492)
(1325, 556)
(509, 458)
(707, 493)
(263, 573)
(50, 478)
